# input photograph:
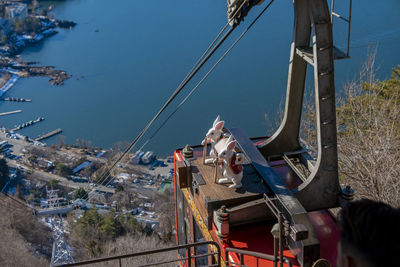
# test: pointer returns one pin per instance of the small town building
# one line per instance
(137, 157)
(122, 177)
(17, 10)
(44, 164)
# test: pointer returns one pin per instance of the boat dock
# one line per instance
(10, 112)
(29, 123)
(13, 99)
(50, 134)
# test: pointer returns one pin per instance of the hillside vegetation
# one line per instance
(24, 240)
(369, 136)
(104, 234)
(368, 123)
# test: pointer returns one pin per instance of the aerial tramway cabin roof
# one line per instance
(250, 219)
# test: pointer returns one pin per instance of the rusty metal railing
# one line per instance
(256, 255)
(187, 247)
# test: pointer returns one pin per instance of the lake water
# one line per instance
(126, 57)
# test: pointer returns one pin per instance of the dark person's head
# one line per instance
(370, 235)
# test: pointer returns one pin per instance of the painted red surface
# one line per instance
(176, 213)
(258, 238)
(258, 142)
(178, 155)
(328, 234)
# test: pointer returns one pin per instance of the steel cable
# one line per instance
(204, 77)
(203, 59)
(181, 86)
(199, 60)
(188, 76)
(215, 40)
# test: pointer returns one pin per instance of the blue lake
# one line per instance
(127, 57)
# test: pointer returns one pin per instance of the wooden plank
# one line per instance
(181, 173)
(252, 184)
(212, 196)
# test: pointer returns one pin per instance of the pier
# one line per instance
(50, 134)
(29, 123)
(10, 112)
(13, 99)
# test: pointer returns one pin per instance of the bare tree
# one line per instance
(61, 140)
(369, 136)
(368, 117)
(138, 243)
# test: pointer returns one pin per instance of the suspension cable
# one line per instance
(203, 59)
(204, 77)
(215, 40)
(190, 72)
(200, 82)
(107, 173)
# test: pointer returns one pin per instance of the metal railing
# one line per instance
(256, 255)
(278, 240)
(187, 247)
(347, 20)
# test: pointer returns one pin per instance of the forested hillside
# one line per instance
(369, 137)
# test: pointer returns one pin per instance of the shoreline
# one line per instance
(17, 38)
(19, 32)
(9, 83)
